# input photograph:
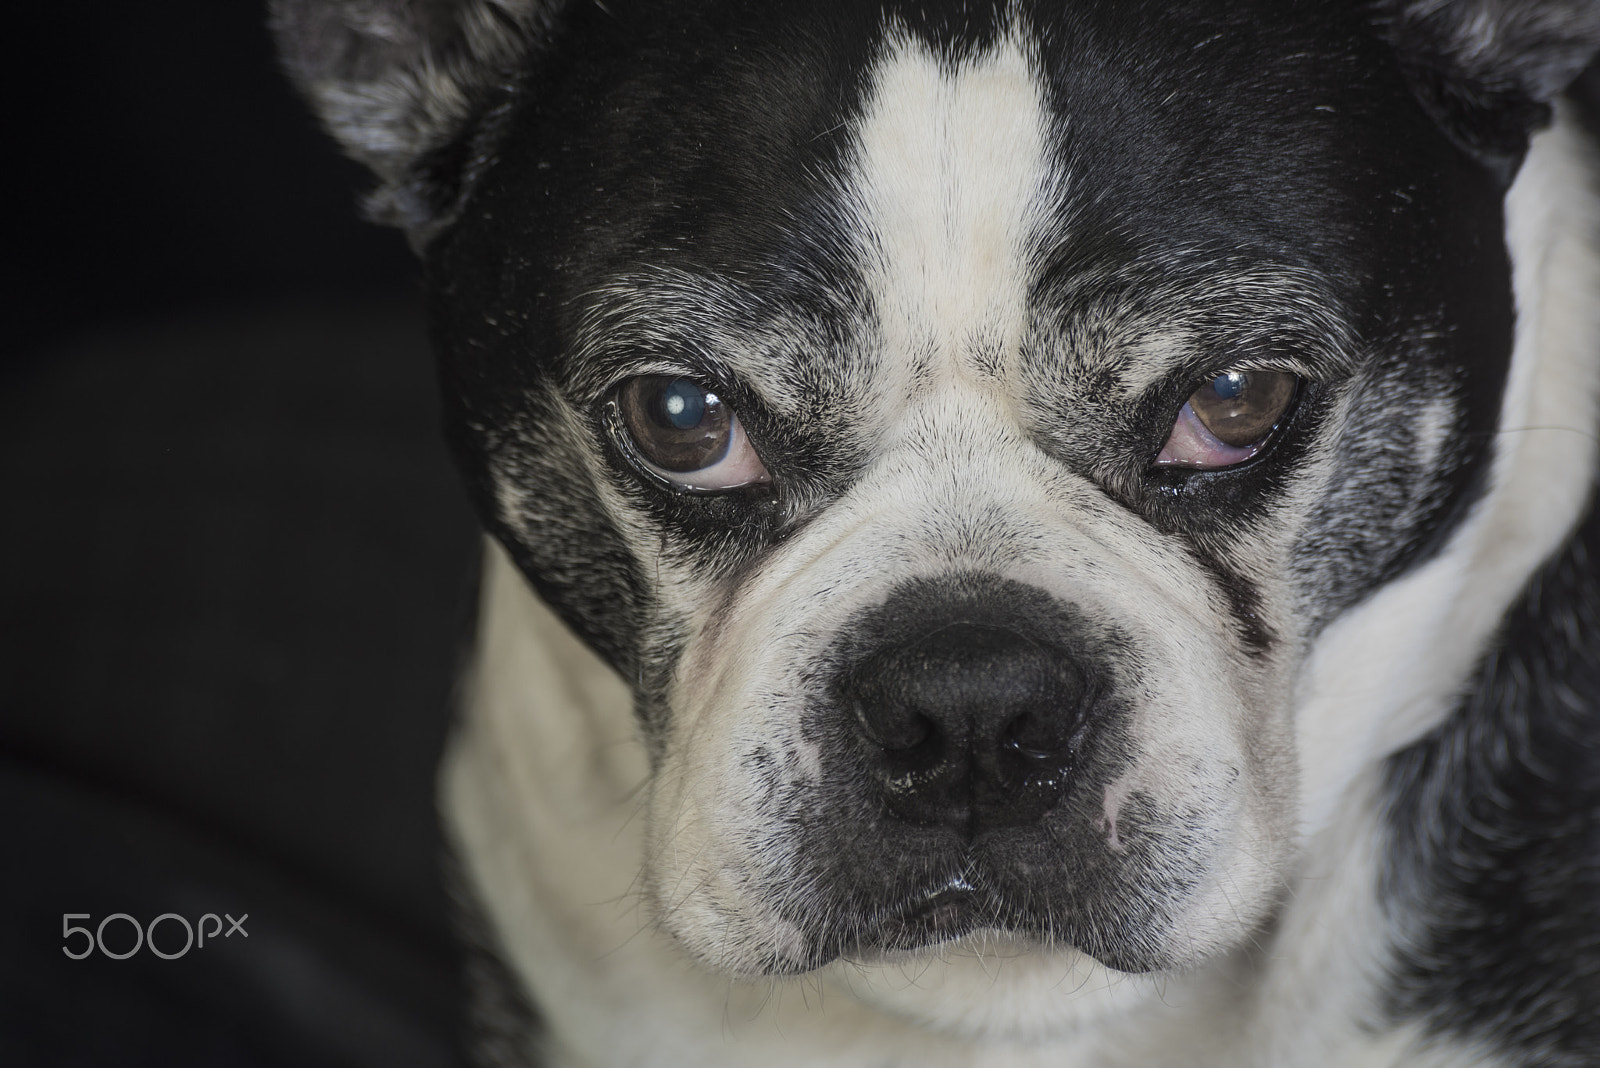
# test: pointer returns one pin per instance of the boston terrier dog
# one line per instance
(1020, 532)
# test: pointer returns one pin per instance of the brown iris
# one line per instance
(1241, 407)
(676, 424)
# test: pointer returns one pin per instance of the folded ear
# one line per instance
(1488, 69)
(400, 84)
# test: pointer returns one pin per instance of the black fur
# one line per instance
(1487, 69)
(410, 88)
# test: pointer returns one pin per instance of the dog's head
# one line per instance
(959, 423)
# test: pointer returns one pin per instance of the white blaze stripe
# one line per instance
(953, 177)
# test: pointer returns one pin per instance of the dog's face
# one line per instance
(961, 449)
(959, 428)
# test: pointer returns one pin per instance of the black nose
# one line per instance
(970, 726)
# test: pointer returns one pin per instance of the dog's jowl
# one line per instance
(1019, 533)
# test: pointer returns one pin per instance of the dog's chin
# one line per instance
(952, 960)
(989, 983)
(960, 914)
(953, 920)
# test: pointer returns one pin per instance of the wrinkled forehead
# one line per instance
(767, 165)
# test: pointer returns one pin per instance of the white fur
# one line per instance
(953, 186)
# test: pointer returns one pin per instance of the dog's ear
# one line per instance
(1488, 69)
(399, 84)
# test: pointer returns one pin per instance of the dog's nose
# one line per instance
(970, 726)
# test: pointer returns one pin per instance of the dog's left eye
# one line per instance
(683, 433)
(1229, 419)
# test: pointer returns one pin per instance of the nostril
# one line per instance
(895, 730)
(1040, 736)
(1033, 761)
(1031, 751)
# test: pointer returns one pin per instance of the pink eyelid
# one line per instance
(1191, 445)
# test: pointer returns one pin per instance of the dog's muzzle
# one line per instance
(966, 731)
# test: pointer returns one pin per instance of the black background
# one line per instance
(235, 570)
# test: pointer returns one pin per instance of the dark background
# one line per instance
(235, 570)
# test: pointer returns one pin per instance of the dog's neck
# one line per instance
(542, 786)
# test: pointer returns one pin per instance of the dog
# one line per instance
(1019, 532)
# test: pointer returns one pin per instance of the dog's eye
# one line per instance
(683, 433)
(1229, 419)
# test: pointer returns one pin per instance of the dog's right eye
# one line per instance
(1228, 419)
(684, 434)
